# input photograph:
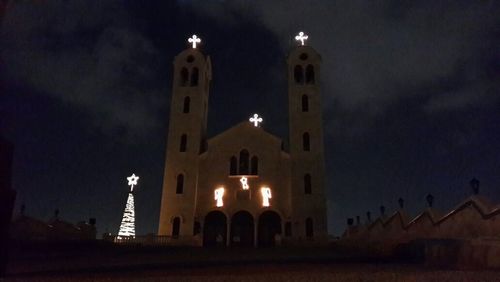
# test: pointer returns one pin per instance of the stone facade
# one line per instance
(196, 166)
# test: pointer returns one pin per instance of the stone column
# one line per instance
(228, 232)
(255, 232)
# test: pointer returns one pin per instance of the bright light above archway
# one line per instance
(266, 195)
(218, 194)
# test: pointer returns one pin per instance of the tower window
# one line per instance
(305, 103)
(176, 226)
(244, 159)
(233, 162)
(307, 184)
(183, 145)
(303, 56)
(184, 77)
(310, 74)
(190, 59)
(254, 165)
(298, 74)
(187, 102)
(194, 77)
(179, 188)
(309, 228)
(305, 142)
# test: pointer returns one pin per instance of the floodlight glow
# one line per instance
(266, 195)
(132, 181)
(194, 40)
(302, 38)
(244, 183)
(219, 193)
(256, 120)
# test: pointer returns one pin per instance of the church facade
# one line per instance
(241, 187)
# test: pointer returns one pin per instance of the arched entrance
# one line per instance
(215, 229)
(242, 229)
(269, 226)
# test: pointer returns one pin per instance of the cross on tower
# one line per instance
(256, 120)
(302, 38)
(194, 40)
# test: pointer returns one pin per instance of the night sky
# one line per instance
(410, 91)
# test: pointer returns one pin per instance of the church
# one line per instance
(241, 187)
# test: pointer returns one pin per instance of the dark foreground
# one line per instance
(104, 262)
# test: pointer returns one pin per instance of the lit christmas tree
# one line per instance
(127, 228)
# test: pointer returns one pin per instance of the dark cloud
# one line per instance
(410, 90)
(85, 54)
(375, 53)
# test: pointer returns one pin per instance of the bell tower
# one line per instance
(186, 140)
(306, 142)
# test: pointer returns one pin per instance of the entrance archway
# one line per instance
(215, 229)
(269, 226)
(242, 229)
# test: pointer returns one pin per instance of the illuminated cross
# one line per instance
(132, 181)
(256, 120)
(301, 37)
(244, 183)
(219, 193)
(194, 40)
(266, 195)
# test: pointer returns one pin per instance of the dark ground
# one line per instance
(106, 262)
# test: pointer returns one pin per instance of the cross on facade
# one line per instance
(194, 40)
(132, 181)
(256, 120)
(302, 38)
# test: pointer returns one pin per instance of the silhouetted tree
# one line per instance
(474, 184)
(430, 200)
(401, 203)
(382, 210)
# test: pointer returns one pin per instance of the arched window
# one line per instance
(305, 103)
(187, 102)
(309, 228)
(310, 74)
(233, 163)
(298, 74)
(184, 77)
(176, 226)
(305, 142)
(244, 159)
(194, 77)
(183, 145)
(307, 184)
(254, 165)
(179, 188)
